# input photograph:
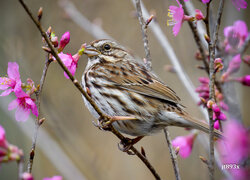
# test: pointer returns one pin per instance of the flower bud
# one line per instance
(218, 64)
(198, 15)
(64, 41)
(40, 13)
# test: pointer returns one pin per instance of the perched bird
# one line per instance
(124, 88)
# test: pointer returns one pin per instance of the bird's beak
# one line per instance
(91, 51)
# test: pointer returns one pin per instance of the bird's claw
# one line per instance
(125, 146)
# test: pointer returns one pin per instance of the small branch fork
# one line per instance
(149, 66)
(39, 121)
(78, 86)
(144, 34)
(172, 154)
(212, 47)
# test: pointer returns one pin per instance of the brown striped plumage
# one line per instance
(122, 86)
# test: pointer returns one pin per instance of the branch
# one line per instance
(37, 123)
(172, 154)
(149, 66)
(196, 37)
(78, 86)
(20, 168)
(212, 47)
(198, 40)
(144, 34)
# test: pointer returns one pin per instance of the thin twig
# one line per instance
(149, 66)
(212, 47)
(144, 34)
(196, 37)
(20, 168)
(172, 154)
(37, 124)
(78, 86)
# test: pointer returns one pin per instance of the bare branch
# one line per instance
(37, 123)
(144, 34)
(212, 47)
(172, 154)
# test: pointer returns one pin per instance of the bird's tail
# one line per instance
(200, 125)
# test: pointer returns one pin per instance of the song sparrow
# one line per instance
(121, 86)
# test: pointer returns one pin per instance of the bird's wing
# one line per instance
(138, 79)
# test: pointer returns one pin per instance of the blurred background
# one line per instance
(68, 143)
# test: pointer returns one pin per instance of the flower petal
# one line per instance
(22, 114)
(7, 92)
(13, 104)
(13, 70)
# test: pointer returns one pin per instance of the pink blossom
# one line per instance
(8, 152)
(27, 176)
(205, 1)
(53, 178)
(218, 64)
(3, 141)
(239, 4)
(235, 148)
(64, 41)
(9, 83)
(245, 80)
(217, 125)
(233, 67)
(235, 35)
(24, 103)
(177, 17)
(185, 143)
(30, 87)
(199, 15)
(204, 80)
(70, 62)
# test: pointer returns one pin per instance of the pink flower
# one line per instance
(9, 83)
(8, 152)
(70, 62)
(239, 4)
(218, 64)
(233, 67)
(3, 141)
(27, 176)
(235, 148)
(217, 125)
(53, 178)
(205, 1)
(185, 143)
(177, 17)
(199, 15)
(245, 80)
(30, 87)
(24, 103)
(64, 41)
(235, 35)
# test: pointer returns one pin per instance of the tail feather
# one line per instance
(200, 125)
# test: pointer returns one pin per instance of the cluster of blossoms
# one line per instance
(12, 83)
(69, 61)
(8, 152)
(235, 149)
(176, 13)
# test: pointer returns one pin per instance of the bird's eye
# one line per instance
(106, 47)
